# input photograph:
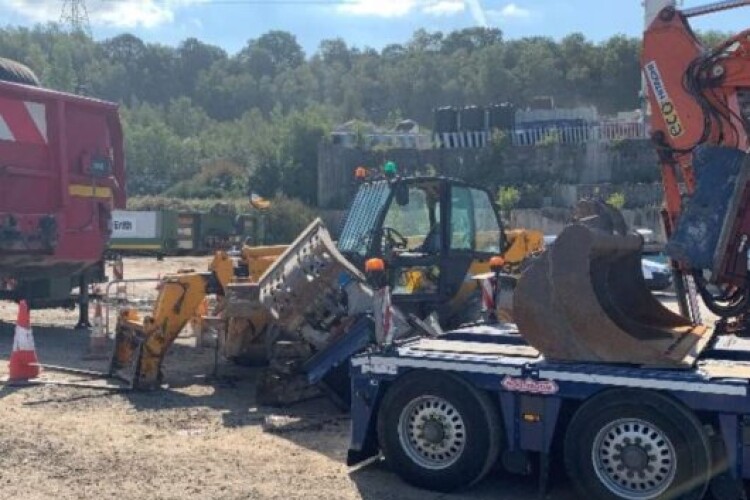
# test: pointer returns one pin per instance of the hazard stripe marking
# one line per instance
(5, 133)
(20, 122)
(38, 114)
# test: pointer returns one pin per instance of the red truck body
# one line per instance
(62, 172)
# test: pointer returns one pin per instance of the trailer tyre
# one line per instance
(438, 432)
(11, 71)
(633, 444)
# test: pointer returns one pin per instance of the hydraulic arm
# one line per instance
(141, 343)
(700, 99)
(585, 299)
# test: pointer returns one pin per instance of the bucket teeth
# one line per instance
(585, 299)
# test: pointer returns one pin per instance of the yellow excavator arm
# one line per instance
(141, 343)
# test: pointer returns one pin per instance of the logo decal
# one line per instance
(666, 106)
(124, 226)
(528, 385)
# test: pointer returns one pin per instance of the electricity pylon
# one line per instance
(75, 16)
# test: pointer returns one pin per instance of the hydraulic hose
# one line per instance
(725, 305)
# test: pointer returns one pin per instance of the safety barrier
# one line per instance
(130, 293)
(598, 132)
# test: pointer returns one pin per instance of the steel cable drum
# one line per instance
(586, 300)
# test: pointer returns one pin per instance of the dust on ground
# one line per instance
(202, 437)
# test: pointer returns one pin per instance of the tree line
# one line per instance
(200, 122)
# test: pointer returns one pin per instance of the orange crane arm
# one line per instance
(699, 100)
(694, 98)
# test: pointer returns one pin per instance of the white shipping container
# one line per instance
(129, 224)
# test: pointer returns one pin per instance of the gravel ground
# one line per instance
(201, 437)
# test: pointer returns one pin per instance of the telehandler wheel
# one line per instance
(637, 445)
(438, 432)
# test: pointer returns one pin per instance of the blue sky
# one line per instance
(373, 23)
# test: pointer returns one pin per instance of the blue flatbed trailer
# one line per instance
(417, 402)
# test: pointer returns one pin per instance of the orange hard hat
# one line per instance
(360, 173)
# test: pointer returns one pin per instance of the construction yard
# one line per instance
(201, 437)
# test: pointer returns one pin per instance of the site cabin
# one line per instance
(444, 410)
(62, 173)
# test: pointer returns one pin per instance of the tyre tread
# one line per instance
(444, 482)
(616, 400)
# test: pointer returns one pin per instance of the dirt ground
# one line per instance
(202, 437)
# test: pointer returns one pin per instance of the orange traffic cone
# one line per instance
(23, 362)
(98, 337)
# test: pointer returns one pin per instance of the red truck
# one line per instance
(62, 172)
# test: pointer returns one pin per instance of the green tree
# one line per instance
(195, 57)
(470, 39)
(61, 75)
(274, 51)
(335, 51)
(304, 132)
(617, 200)
(508, 198)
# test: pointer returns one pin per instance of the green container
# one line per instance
(251, 229)
(188, 232)
(217, 231)
(144, 232)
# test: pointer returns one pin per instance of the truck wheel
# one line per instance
(438, 432)
(12, 71)
(632, 444)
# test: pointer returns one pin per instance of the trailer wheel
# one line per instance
(438, 432)
(632, 444)
(12, 71)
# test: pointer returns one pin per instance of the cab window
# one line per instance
(488, 232)
(474, 224)
(415, 225)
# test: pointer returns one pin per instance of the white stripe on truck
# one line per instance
(645, 383)
(389, 366)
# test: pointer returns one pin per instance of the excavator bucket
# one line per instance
(585, 299)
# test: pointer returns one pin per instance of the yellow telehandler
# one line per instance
(433, 233)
